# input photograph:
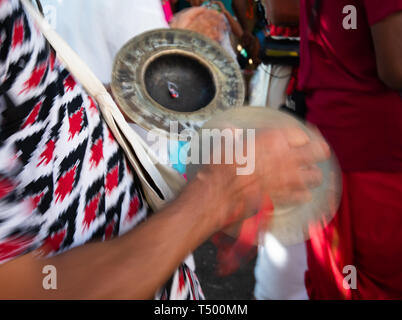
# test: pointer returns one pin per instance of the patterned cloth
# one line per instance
(64, 180)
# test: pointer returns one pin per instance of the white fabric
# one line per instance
(97, 29)
(280, 270)
(268, 86)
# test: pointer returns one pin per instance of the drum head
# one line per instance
(290, 224)
(175, 75)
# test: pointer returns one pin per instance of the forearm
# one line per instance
(388, 45)
(240, 9)
(130, 267)
(283, 12)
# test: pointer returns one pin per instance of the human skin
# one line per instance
(283, 12)
(135, 265)
(388, 47)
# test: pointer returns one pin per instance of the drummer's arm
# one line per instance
(129, 267)
(388, 47)
(135, 265)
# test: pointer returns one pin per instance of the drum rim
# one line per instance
(138, 105)
(292, 226)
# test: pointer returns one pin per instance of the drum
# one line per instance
(172, 76)
(290, 223)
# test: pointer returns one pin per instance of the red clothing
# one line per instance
(366, 234)
(360, 117)
(362, 120)
(283, 31)
(167, 10)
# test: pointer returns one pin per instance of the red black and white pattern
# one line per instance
(64, 180)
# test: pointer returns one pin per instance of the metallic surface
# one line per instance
(152, 66)
(290, 224)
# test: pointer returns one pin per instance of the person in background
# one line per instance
(245, 12)
(213, 21)
(351, 71)
(235, 26)
(97, 30)
(184, 4)
(355, 81)
(109, 26)
(279, 271)
(223, 7)
(167, 9)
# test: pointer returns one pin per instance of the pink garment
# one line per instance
(167, 9)
(359, 116)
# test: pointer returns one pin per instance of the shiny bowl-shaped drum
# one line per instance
(172, 75)
(291, 224)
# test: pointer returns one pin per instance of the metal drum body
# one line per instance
(290, 224)
(206, 78)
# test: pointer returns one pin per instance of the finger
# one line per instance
(317, 136)
(314, 130)
(312, 153)
(296, 137)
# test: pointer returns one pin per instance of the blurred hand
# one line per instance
(221, 6)
(210, 23)
(285, 170)
(286, 164)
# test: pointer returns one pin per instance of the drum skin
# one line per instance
(290, 223)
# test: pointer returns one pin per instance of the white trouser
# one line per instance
(268, 86)
(279, 271)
